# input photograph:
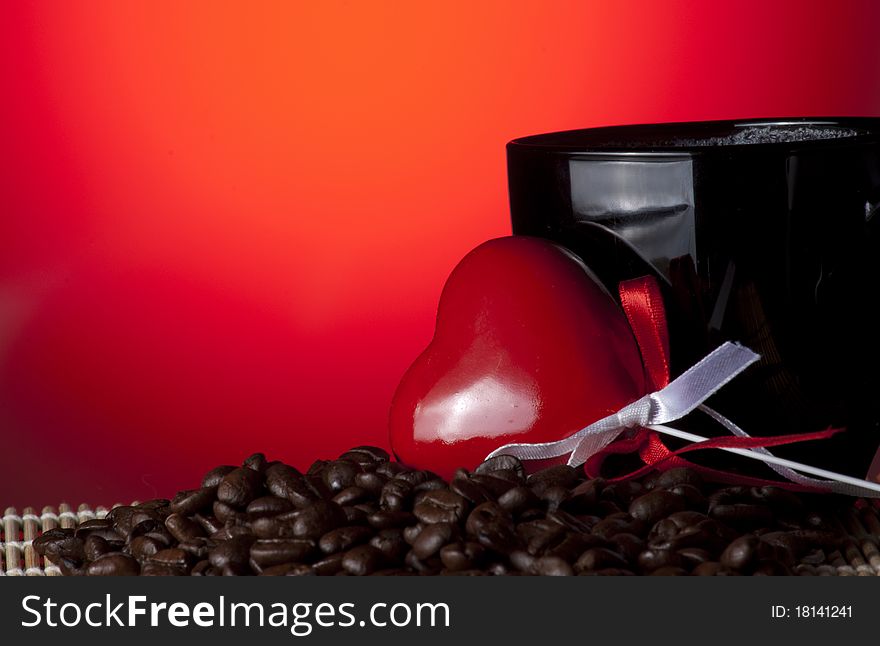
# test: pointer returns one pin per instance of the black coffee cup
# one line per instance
(765, 232)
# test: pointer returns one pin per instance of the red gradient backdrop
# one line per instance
(224, 227)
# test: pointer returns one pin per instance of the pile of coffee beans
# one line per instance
(365, 514)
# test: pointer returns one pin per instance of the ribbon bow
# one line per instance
(644, 418)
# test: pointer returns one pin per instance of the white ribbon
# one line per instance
(683, 395)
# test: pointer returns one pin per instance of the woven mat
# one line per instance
(859, 554)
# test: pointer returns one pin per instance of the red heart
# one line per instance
(528, 347)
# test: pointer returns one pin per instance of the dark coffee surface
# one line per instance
(364, 514)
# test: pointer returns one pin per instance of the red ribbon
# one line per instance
(643, 304)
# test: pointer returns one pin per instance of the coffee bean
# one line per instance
(268, 506)
(599, 558)
(172, 557)
(492, 527)
(652, 559)
(432, 538)
(239, 487)
(391, 543)
(95, 546)
(470, 491)
(361, 560)
(517, 499)
(742, 515)
(210, 524)
(183, 528)
(654, 505)
(143, 547)
(158, 569)
(277, 551)
(386, 519)
(116, 564)
(396, 495)
(215, 475)
(741, 553)
(678, 476)
(344, 538)
(329, 565)
(234, 554)
(709, 568)
(255, 462)
(201, 568)
(371, 482)
(351, 496)
(440, 506)
(501, 463)
(189, 502)
(317, 519)
(462, 555)
(289, 569)
(560, 475)
(339, 475)
(628, 545)
(196, 547)
(552, 566)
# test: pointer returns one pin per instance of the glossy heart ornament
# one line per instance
(528, 347)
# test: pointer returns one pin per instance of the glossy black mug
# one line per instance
(765, 232)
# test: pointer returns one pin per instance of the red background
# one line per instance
(224, 227)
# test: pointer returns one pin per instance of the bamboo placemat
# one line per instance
(859, 528)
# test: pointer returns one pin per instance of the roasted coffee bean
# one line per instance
(344, 538)
(470, 491)
(289, 569)
(678, 476)
(189, 502)
(255, 462)
(492, 527)
(351, 496)
(200, 568)
(317, 519)
(742, 515)
(159, 569)
(384, 519)
(339, 475)
(373, 453)
(361, 560)
(58, 544)
(87, 527)
(355, 516)
(371, 482)
(694, 498)
(329, 565)
(115, 564)
(268, 506)
(239, 487)
(210, 524)
(494, 485)
(741, 553)
(173, 557)
(599, 558)
(628, 545)
(552, 566)
(197, 547)
(430, 566)
(183, 528)
(440, 506)
(693, 556)
(390, 469)
(432, 538)
(143, 547)
(396, 495)
(277, 551)
(215, 475)
(391, 543)
(227, 514)
(517, 500)
(654, 505)
(652, 559)
(623, 492)
(501, 463)
(286, 482)
(462, 555)
(619, 523)
(95, 546)
(560, 475)
(411, 533)
(709, 568)
(234, 554)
